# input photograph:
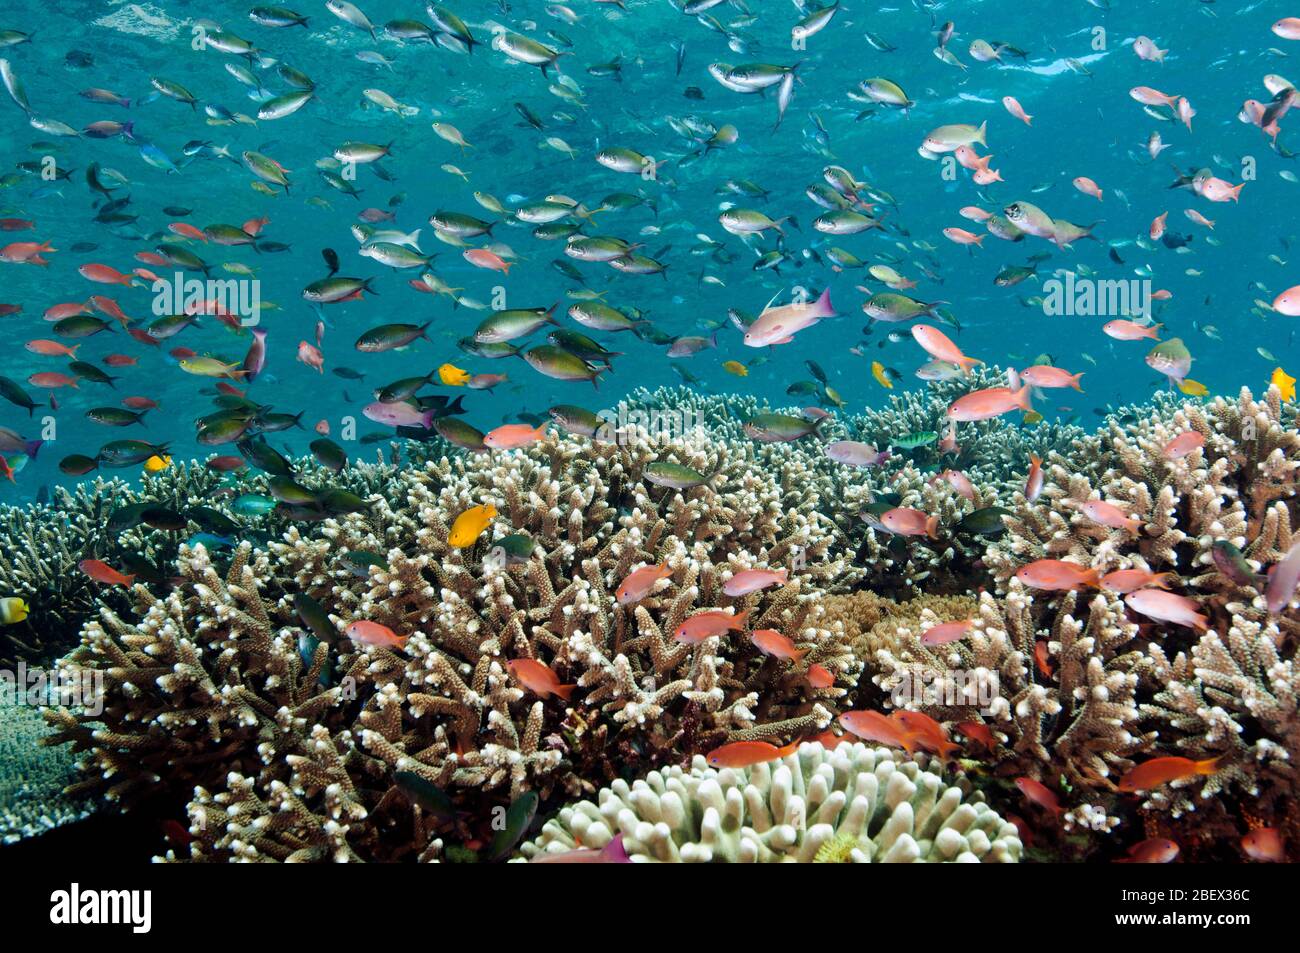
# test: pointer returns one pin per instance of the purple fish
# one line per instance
(399, 413)
(255, 359)
(1282, 580)
(856, 454)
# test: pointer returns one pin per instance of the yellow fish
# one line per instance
(834, 397)
(1033, 418)
(735, 367)
(12, 610)
(1193, 388)
(453, 376)
(1285, 384)
(156, 463)
(878, 372)
(211, 367)
(469, 525)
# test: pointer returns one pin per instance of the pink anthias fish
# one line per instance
(310, 355)
(1045, 376)
(855, 454)
(989, 403)
(958, 481)
(1282, 581)
(905, 521)
(754, 580)
(941, 347)
(946, 632)
(779, 325)
(1182, 445)
(1167, 607)
(1108, 514)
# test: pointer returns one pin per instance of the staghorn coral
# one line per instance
(854, 803)
(209, 689)
(1228, 691)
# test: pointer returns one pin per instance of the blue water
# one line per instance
(1083, 125)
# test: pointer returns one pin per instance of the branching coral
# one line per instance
(211, 687)
(866, 805)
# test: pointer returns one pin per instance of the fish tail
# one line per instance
(981, 132)
(1024, 399)
(1091, 578)
(565, 691)
(1209, 765)
(932, 527)
(738, 622)
(1074, 381)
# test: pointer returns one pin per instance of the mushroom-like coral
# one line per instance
(856, 803)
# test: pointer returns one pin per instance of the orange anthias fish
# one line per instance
(1056, 574)
(926, 732)
(875, 726)
(510, 436)
(1161, 771)
(1125, 581)
(830, 740)
(707, 624)
(745, 754)
(539, 678)
(372, 633)
(820, 677)
(772, 642)
(640, 583)
(102, 572)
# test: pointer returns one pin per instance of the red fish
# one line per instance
(977, 731)
(103, 572)
(1040, 794)
(1153, 850)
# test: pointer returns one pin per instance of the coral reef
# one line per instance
(1089, 687)
(237, 680)
(208, 687)
(854, 804)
